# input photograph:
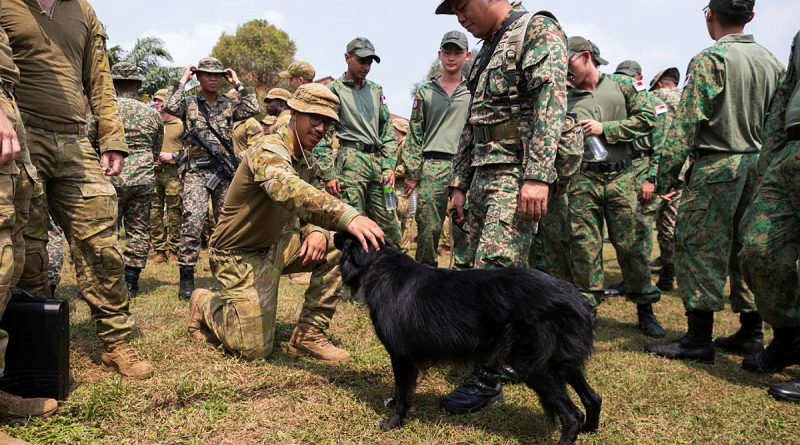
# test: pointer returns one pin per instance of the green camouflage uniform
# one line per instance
(771, 227)
(222, 114)
(597, 198)
(144, 134)
(667, 212)
(165, 216)
(719, 120)
(248, 261)
(437, 120)
(359, 172)
(79, 196)
(492, 169)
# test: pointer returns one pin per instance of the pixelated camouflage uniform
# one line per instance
(222, 114)
(771, 226)
(79, 196)
(242, 314)
(359, 172)
(55, 253)
(598, 198)
(719, 118)
(165, 215)
(492, 170)
(144, 134)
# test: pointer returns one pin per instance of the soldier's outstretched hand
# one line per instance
(8, 139)
(533, 200)
(367, 231)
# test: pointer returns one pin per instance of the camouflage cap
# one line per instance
(400, 124)
(673, 73)
(279, 94)
(579, 44)
(444, 8)
(299, 69)
(629, 68)
(315, 98)
(457, 38)
(738, 8)
(160, 95)
(126, 71)
(209, 65)
(269, 119)
(232, 94)
(362, 47)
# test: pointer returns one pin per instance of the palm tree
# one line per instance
(149, 54)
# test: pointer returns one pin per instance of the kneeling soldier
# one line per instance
(268, 228)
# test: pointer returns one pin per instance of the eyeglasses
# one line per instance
(706, 9)
(317, 120)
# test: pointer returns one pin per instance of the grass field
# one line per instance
(201, 396)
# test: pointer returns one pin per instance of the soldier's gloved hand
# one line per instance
(8, 139)
(333, 187)
(111, 163)
(457, 201)
(367, 231)
(314, 248)
(533, 200)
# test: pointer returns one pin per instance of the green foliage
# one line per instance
(257, 52)
(150, 55)
(435, 70)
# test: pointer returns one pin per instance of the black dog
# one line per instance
(536, 324)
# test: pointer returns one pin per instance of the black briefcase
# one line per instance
(37, 357)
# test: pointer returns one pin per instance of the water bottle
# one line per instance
(412, 203)
(389, 198)
(598, 149)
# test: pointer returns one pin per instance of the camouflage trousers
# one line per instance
(360, 176)
(134, 204)
(242, 314)
(665, 226)
(771, 241)
(707, 240)
(55, 253)
(550, 251)
(648, 209)
(598, 199)
(432, 196)
(165, 216)
(195, 211)
(83, 203)
(407, 225)
(18, 184)
(497, 235)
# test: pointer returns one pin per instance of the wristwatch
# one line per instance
(239, 85)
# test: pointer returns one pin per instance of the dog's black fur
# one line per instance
(537, 324)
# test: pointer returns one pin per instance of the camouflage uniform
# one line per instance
(222, 114)
(165, 216)
(55, 254)
(717, 120)
(407, 225)
(771, 228)
(245, 133)
(492, 169)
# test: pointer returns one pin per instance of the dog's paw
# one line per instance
(590, 427)
(390, 424)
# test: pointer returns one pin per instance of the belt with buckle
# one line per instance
(506, 131)
(360, 146)
(606, 167)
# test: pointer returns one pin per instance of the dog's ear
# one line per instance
(339, 238)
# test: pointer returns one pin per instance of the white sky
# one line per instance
(406, 34)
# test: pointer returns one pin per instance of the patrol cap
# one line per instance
(400, 125)
(738, 8)
(232, 94)
(160, 95)
(673, 73)
(210, 65)
(457, 38)
(629, 68)
(315, 98)
(362, 47)
(126, 71)
(579, 44)
(279, 94)
(298, 69)
(444, 8)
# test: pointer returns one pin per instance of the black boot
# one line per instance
(478, 390)
(615, 290)
(186, 286)
(787, 392)
(666, 279)
(648, 323)
(655, 266)
(695, 345)
(783, 350)
(132, 280)
(53, 290)
(748, 340)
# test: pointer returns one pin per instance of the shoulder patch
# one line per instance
(661, 109)
(639, 86)
(383, 100)
(416, 104)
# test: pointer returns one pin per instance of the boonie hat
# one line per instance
(362, 47)
(160, 95)
(629, 68)
(444, 8)
(669, 72)
(126, 71)
(580, 44)
(278, 94)
(269, 119)
(209, 65)
(298, 69)
(457, 38)
(315, 98)
(738, 8)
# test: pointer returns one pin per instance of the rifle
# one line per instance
(223, 167)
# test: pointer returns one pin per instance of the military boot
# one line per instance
(198, 331)
(186, 286)
(695, 345)
(783, 351)
(648, 323)
(481, 388)
(11, 405)
(748, 340)
(5, 439)
(121, 357)
(666, 279)
(310, 340)
(132, 280)
(160, 257)
(787, 392)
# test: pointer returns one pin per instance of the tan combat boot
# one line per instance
(159, 258)
(198, 331)
(121, 357)
(307, 339)
(11, 405)
(5, 439)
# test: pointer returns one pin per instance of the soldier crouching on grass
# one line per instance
(268, 228)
